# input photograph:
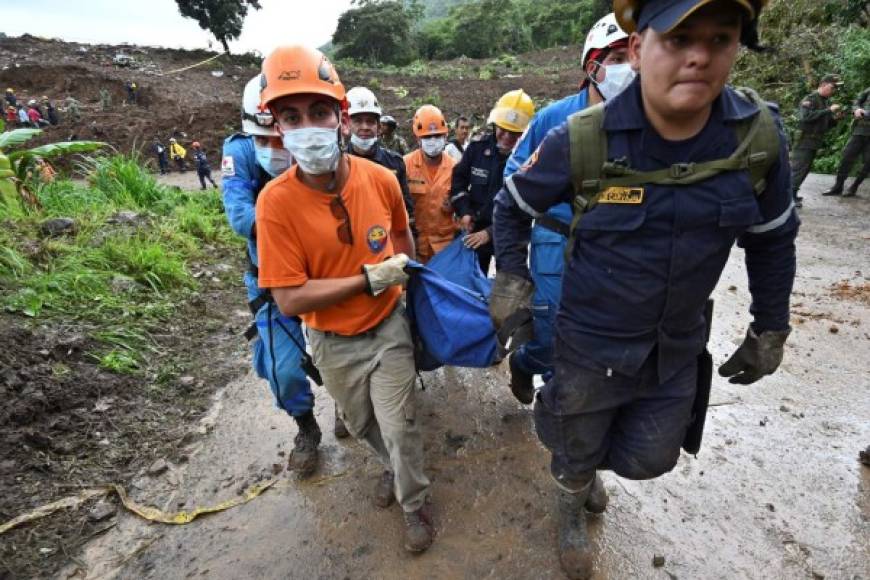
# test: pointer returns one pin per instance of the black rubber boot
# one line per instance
(522, 385)
(596, 503)
(853, 189)
(303, 459)
(575, 553)
(837, 189)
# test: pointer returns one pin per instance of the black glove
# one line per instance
(509, 294)
(759, 355)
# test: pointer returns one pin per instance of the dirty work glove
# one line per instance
(759, 355)
(388, 273)
(509, 294)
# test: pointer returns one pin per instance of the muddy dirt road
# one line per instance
(776, 492)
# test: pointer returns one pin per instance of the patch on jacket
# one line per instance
(478, 172)
(376, 239)
(228, 166)
(621, 195)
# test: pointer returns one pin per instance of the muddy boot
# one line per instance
(385, 493)
(419, 531)
(837, 189)
(575, 553)
(340, 429)
(303, 458)
(596, 503)
(521, 382)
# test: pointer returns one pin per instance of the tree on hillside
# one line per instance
(223, 18)
(375, 31)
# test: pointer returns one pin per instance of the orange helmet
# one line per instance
(428, 120)
(293, 70)
(195, 144)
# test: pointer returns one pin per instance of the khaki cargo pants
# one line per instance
(371, 376)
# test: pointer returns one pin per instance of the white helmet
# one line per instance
(362, 100)
(254, 120)
(604, 33)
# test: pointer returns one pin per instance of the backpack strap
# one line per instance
(762, 144)
(592, 174)
(588, 150)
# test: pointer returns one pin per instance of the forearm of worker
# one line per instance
(511, 229)
(770, 250)
(317, 294)
(403, 243)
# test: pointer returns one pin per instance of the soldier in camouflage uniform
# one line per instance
(858, 146)
(815, 116)
(389, 138)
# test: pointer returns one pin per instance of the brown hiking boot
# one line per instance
(303, 458)
(575, 553)
(596, 503)
(385, 493)
(419, 531)
(522, 385)
(340, 429)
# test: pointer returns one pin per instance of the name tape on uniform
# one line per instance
(621, 195)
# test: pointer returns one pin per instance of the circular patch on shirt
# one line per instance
(376, 239)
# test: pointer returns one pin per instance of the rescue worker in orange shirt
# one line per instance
(430, 171)
(333, 239)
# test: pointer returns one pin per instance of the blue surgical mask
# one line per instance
(616, 78)
(363, 144)
(315, 149)
(273, 161)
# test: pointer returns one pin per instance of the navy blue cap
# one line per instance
(664, 15)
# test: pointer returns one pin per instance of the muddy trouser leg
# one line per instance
(371, 377)
(201, 175)
(276, 357)
(801, 163)
(629, 424)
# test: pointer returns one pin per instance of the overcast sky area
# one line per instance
(158, 23)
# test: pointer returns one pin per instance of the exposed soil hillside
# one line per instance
(205, 107)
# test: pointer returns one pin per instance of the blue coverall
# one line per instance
(276, 356)
(631, 318)
(547, 247)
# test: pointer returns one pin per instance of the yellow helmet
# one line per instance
(513, 111)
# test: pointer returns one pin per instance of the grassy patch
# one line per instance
(119, 277)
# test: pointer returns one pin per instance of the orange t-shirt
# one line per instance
(297, 240)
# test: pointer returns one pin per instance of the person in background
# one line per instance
(390, 139)
(461, 133)
(203, 169)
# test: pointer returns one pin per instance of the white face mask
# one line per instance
(433, 146)
(616, 78)
(274, 161)
(315, 149)
(363, 144)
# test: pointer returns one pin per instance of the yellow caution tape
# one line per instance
(185, 517)
(147, 512)
(193, 65)
(48, 509)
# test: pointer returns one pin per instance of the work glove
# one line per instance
(759, 355)
(510, 293)
(388, 273)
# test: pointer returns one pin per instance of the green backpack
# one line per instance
(592, 174)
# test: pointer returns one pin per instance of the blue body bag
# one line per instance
(450, 322)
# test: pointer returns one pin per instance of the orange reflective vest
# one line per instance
(430, 188)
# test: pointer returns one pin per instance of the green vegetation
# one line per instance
(123, 268)
(223, 18)
(395, 33)
(809, 38)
